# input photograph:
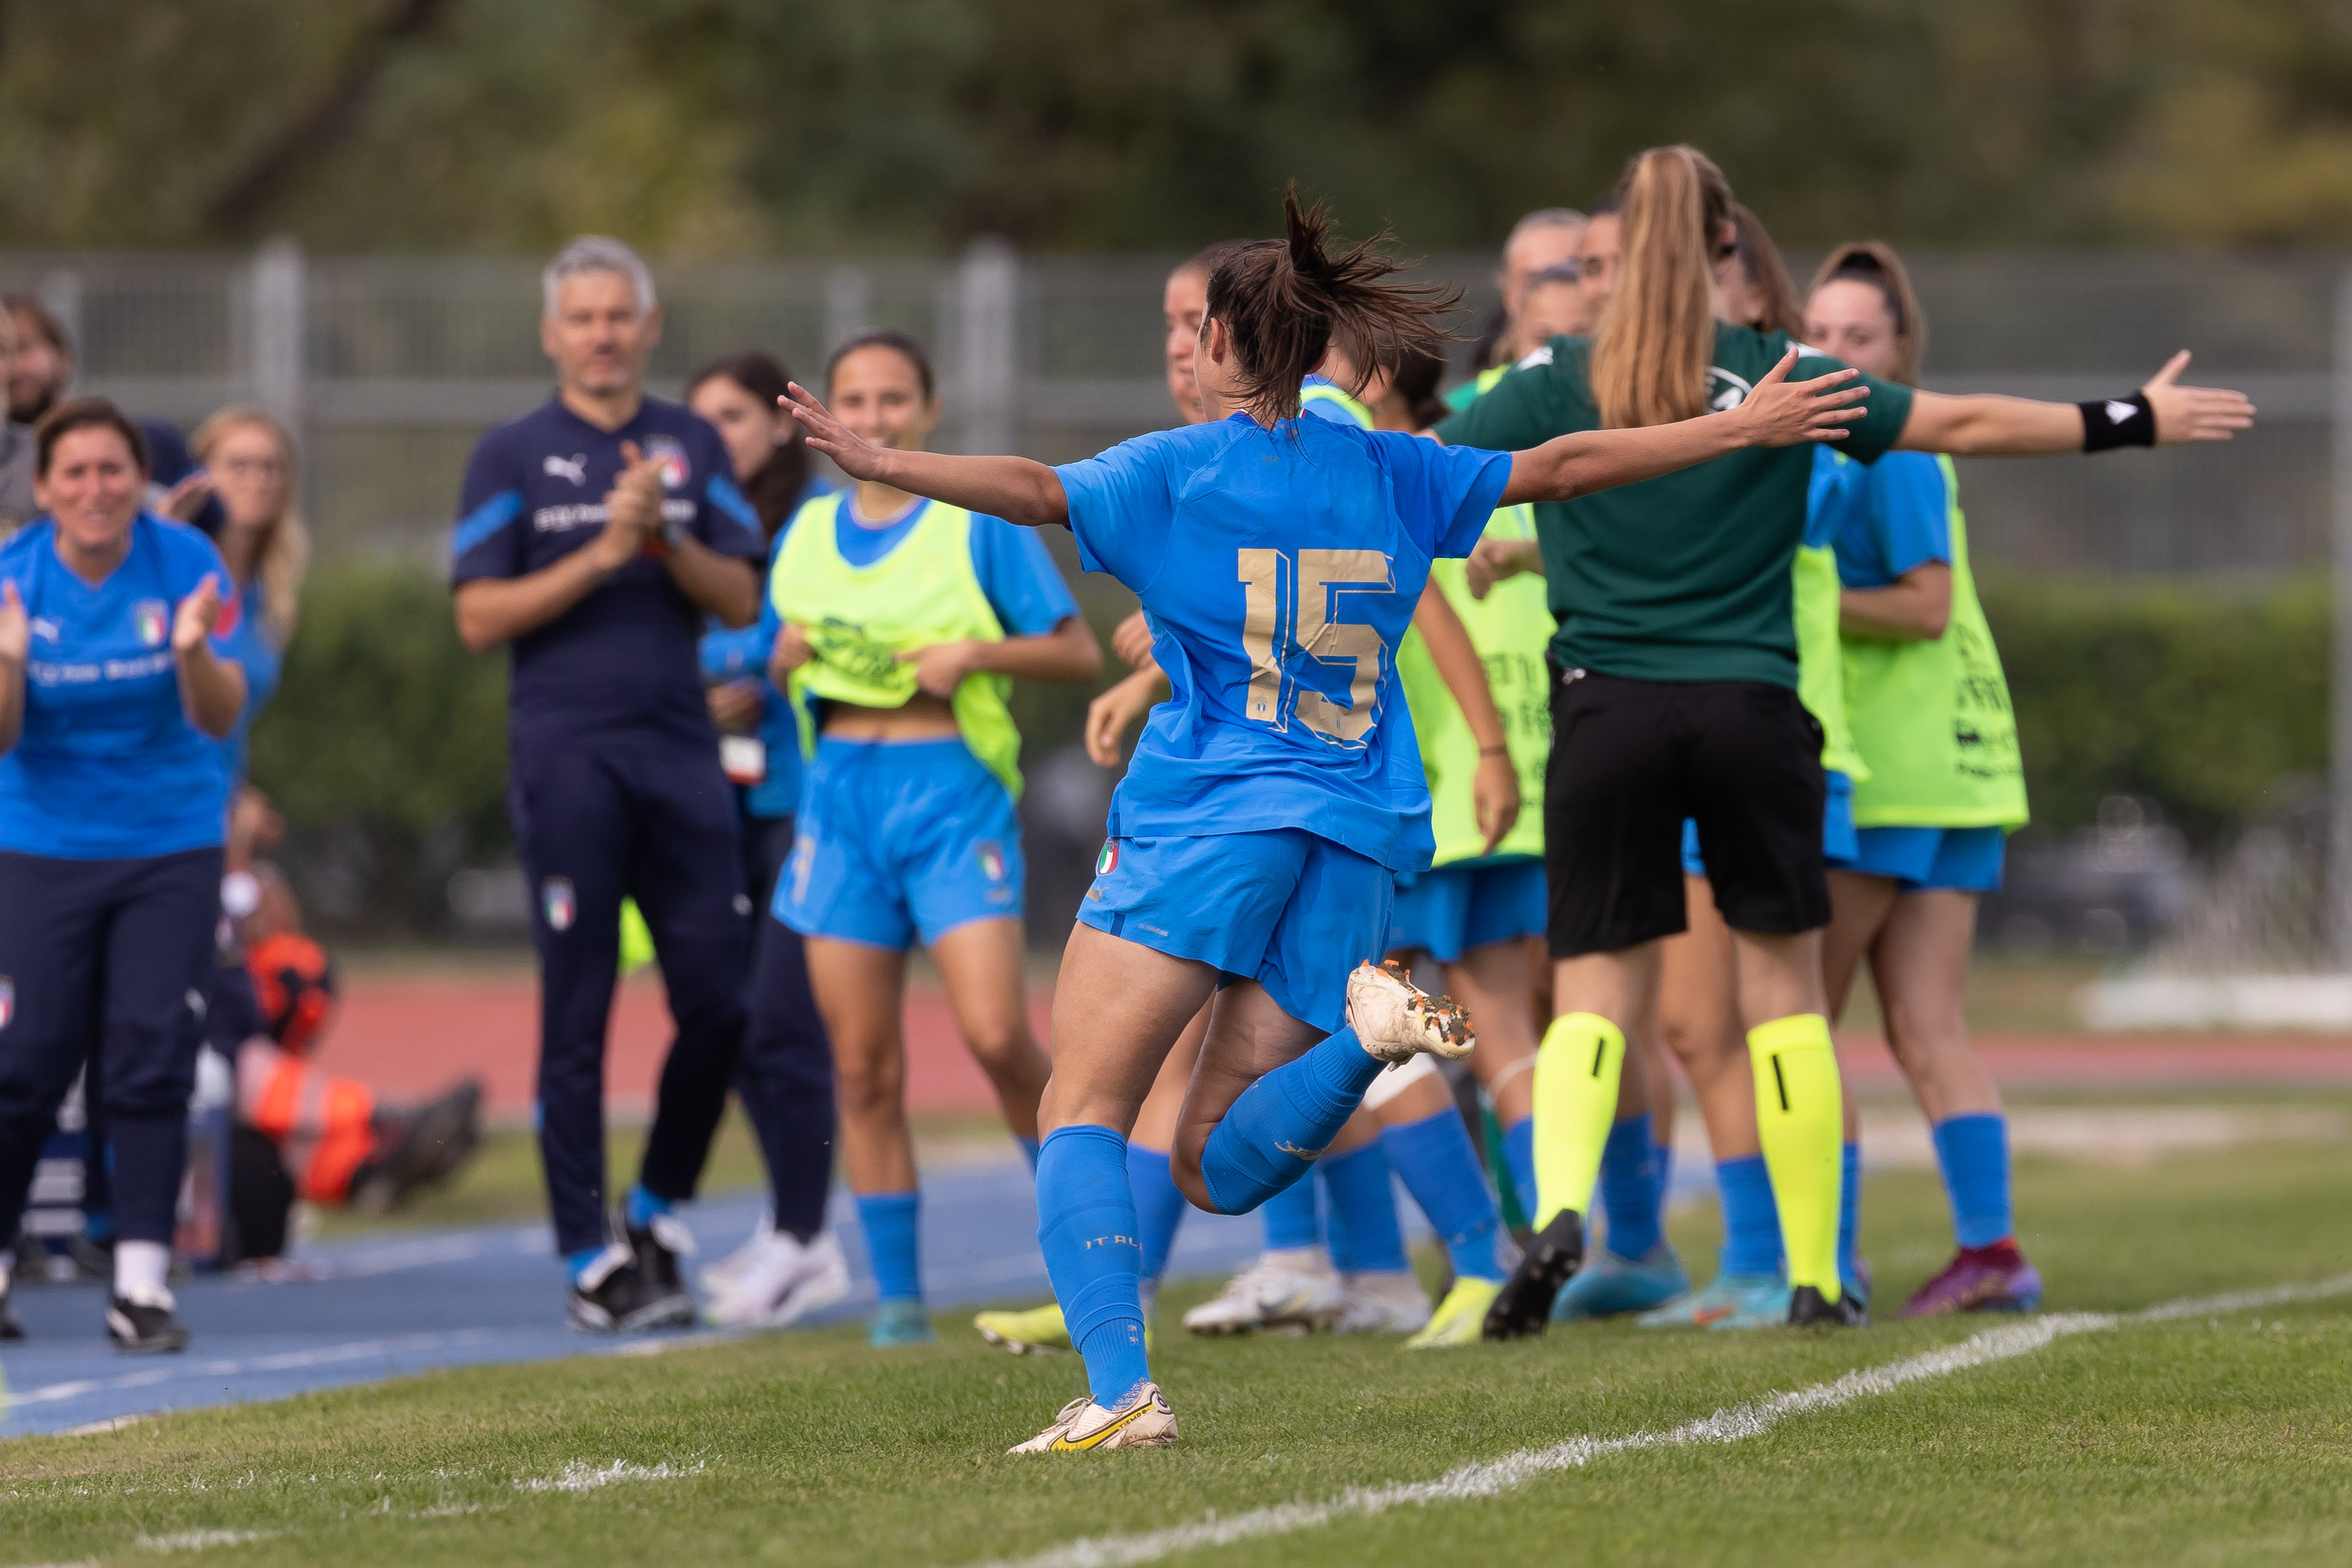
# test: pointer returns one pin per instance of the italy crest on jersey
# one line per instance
(7, 1000)
(152, 621)
(675, 469)
(557, 901)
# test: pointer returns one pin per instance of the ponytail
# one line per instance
(1286, 303)
(1656, 337)
(1875, 262)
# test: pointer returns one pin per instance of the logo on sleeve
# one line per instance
(153, 620)
(556, 899)
(574, 467)
(675, 469)
(7, 1000)
(1107, 861)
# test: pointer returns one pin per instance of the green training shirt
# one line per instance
(1684, 576)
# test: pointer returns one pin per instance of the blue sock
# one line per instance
(1029, 1148)
(1159, 1206)
(1290, 1218)
(1974, 1151)
(1087, 1225)
(1519, 1156)
(643, 1205)
(1364, 1230)
(1849, 1208)
(1282, 1122)
(1752, 1220)
(1629, 1172)
(577, 1263)
(890, 1220)
(1662, 1155)
(1440, 1166)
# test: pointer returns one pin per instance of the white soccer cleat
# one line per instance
(1142, 1421)
(785, 1282)
(1396, 1020)
(1383, 1301)
(718, 1276)
(1293, 1289)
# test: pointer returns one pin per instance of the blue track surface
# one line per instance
(422, 1300)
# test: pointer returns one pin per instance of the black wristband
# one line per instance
(2111, 421)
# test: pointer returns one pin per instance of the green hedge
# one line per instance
(386, 746)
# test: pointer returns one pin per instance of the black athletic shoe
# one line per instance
(1524, 1305)
(1807, 1310)
(655, 1249)
(144, 1328)
(11, 1326)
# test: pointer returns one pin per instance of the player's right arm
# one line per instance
(1014, 488)
(496, 600)
(15, 645)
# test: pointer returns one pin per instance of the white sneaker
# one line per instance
(1142, 1421)
(718, 1276)
(787, 1282)
(1292, 1288)
(1396, 1020)
(1383, 1301)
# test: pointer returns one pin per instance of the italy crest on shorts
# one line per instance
(7, 1000)
(556, 899)
(991, 855)
(153, 620)
(675, 469)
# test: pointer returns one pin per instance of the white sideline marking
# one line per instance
(580, 1476)
(201, 1540)
(1491, 1478)
(285, 1361)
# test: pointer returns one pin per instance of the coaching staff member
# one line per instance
(595, 533)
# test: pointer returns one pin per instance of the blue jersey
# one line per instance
(741, 653)
(108, 766)
(1279, 570)
(623, 657)
(1890, 517)
(245, 638)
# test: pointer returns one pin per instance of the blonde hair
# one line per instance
(1657, 336)
(283, 557)
(1873, 261)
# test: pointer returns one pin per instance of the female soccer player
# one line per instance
(904, 621)
(114, 693)
(1676, 697)
(1253, 841)
(792, 1266)
(249, 458)
(1930, 712)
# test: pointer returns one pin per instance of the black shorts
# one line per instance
(1629, 759)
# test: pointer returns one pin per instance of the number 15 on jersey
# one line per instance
(1291, 608)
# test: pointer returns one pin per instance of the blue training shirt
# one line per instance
(108, 766)
(623, 658)
(1279, 570)
(1892, 517)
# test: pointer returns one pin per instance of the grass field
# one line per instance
(2222, 1438)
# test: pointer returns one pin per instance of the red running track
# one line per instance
(409, 1034)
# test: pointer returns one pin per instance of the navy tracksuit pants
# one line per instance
(651, 818)
(104, 958)
(786, 1076)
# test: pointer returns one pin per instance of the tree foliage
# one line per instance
(735, 126)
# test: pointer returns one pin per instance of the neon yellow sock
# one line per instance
(1577, 1069)
(1800, 1119)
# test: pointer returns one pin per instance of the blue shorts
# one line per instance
(1954, 860)
(1294, 911)
(1448, 909)
(1837, 828)
(897, 840)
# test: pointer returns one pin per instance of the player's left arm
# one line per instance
(1014, 488)
(1495, 791)
(212, 689)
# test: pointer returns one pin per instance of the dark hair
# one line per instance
(1606, 207)
(43, 318)
(1415, 379)
(1873, 262)
(1208, 258)
(1287, 302)
(775, 490)
(1768, 274)
(884, 338)
(85, 413)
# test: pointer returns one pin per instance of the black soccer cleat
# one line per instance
(1807, 1310)
(613, 1297)
(1523, 1306)
(144, 1327)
